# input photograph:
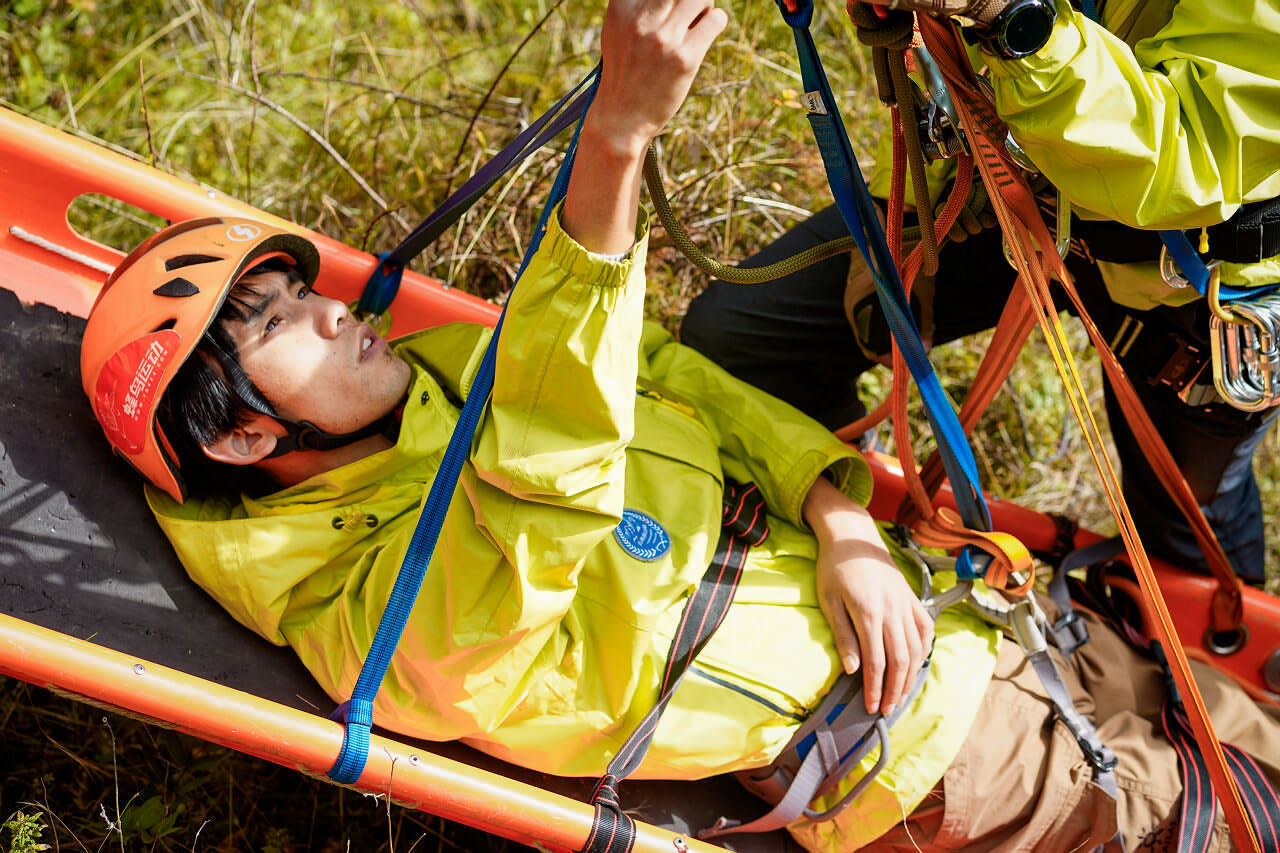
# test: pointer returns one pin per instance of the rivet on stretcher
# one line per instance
(139, 669)
(1271, 672)
(679, 843)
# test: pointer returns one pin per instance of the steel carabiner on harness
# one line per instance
(1245, 352)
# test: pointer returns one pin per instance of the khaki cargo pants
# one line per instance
(1021, 783)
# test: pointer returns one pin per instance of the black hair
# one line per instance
(211, 395)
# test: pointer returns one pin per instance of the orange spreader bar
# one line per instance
(306, 742)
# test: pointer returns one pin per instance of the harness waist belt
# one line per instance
(1249, 236)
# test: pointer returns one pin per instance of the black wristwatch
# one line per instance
(1020, 29)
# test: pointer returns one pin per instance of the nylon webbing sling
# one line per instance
(357, 712)
(1198, 273)
(383, 284)
(853, 199)
(1197, 807)
(1025, 230)
(744, 525)
(1195, 825)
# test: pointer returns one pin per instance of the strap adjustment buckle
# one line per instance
(1025, 619)
(1098, 754)
(1070, 632)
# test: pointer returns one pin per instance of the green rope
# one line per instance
(714, 268)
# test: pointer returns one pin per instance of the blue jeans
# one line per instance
(790, 338)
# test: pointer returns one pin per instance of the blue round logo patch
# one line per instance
(641, 536)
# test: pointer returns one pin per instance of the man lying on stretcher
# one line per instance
(289, 450)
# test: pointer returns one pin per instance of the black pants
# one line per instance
(790, 338)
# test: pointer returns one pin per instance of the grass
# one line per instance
(356, 119)
(79, 779)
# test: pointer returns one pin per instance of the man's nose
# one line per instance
(333, 316)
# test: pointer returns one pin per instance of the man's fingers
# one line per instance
(871, 638)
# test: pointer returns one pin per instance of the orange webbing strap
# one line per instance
(1009, 556)
(1011, 332)
(1024, 231)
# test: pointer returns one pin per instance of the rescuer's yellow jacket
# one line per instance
(1166, 116)
(538, 636)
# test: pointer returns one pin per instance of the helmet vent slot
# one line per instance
(176, 287)
(177, 263)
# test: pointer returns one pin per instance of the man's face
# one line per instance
(312, 360)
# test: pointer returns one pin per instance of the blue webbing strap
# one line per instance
(357, 712)
(385, 279)
(856, 206)
(1196, 270)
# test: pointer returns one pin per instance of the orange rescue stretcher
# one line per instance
(96, 606)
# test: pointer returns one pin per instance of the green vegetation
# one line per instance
(356, 119)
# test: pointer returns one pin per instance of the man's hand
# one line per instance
(650, 52)
(978, 12)
(878, 622)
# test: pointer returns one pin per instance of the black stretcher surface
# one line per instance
(80, 554)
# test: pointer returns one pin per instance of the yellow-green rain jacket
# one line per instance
(1166, 116)
(536, 637)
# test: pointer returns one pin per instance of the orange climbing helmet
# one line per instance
(151, 314)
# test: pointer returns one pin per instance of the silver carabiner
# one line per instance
(1062, 243)
(1245, 353)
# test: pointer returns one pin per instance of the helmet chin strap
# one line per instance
(304, 435)
(300, 435)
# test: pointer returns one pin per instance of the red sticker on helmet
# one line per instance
(127, 387)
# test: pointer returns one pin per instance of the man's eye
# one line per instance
(304, 291)
(270, 325)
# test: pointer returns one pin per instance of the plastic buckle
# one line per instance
(1025, 619)
(1098, 754)
(1070, 633)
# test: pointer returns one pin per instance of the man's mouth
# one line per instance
(367, 342)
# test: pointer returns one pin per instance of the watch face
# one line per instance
(1026, 28)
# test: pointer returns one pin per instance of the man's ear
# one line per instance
(247, 444)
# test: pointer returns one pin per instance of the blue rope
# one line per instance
(856, 206)
(357, 712)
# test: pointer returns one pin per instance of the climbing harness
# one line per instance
(744, 525)
(840, 733)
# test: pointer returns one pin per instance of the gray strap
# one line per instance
(840, 726)
(1069, 632)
